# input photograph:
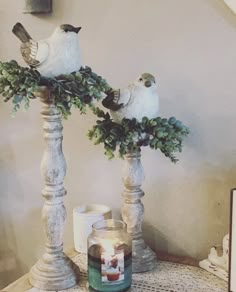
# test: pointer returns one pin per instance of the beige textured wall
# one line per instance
(190, 46)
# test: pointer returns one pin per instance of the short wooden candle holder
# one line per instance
(143, 259)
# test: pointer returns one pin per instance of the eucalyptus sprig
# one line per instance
(80, 89)
(160, 133)
(77, 89)
(18, 84)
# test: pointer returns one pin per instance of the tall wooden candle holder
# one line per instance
(54, 271)
(132, 211)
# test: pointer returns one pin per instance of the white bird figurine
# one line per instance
(138, 100)
(59, 54)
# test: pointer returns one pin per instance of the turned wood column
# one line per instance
(143, 258)
(54, 271)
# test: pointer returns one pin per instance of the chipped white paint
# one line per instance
(54, 271)
(215, 264)
(132, 211)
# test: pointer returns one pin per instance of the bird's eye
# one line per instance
(66, 30)
(140, 79)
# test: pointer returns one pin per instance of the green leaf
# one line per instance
(131, 135)
(67, 90)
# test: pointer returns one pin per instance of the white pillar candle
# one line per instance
(83, 218)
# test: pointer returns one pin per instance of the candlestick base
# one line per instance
(143, 258)
(54, 274)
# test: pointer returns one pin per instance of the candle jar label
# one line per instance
(112, 267)
(109, 257)
(109, 271)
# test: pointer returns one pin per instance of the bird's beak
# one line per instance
(148, 83)
(77, 29)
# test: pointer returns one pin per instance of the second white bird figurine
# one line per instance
(138, 100)
(59, 54)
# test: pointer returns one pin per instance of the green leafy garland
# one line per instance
(77, 89)
(160, 133)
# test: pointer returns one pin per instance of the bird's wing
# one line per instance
(125, 95)
(34, 53)
(116, 99)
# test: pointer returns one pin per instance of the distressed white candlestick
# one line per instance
(143, 258)
(54, 271)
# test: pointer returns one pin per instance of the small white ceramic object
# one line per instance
(83, 218)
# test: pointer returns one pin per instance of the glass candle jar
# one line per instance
(109, 257)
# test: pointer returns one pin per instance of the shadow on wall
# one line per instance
(218, 180)
(153, 237)
(224, 10)
(10, 266)
(205, 207)
(21, 231)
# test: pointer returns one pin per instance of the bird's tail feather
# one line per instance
(21, 33)
(110, 101)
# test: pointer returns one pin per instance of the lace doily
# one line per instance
(166, 277)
